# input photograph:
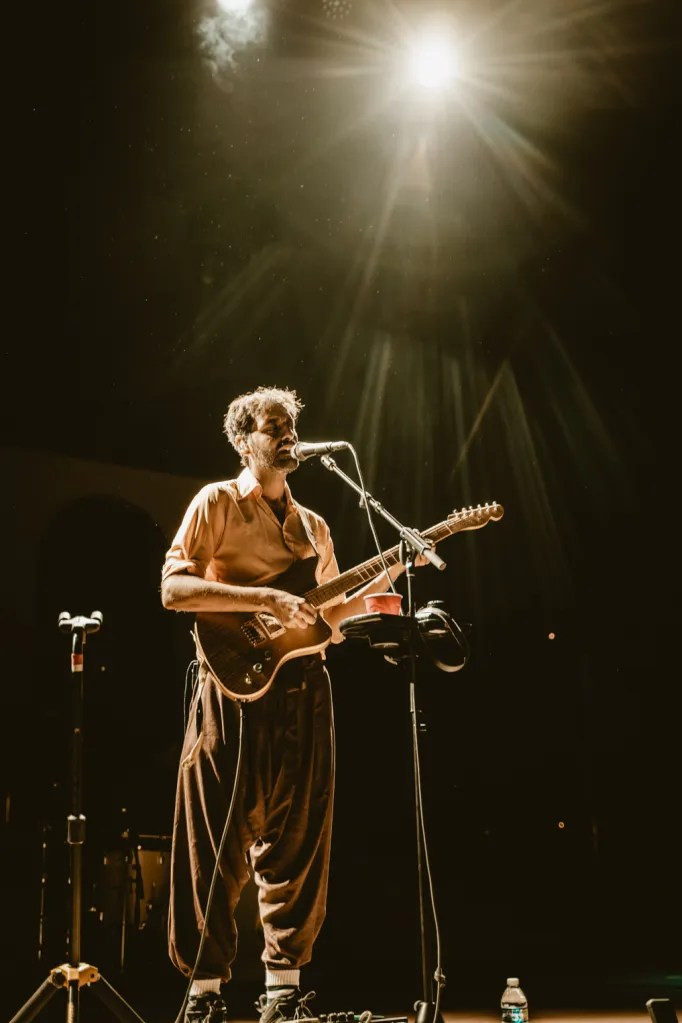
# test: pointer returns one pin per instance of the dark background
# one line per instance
(483, 297)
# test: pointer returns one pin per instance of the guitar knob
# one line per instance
(258, 667)
(267, 655)
(248, 681)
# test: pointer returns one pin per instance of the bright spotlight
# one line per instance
(234, 6)
(433, 62)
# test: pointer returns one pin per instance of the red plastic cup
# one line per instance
(384, 603)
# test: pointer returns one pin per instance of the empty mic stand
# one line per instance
(74, 974)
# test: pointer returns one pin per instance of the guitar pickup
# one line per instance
(262, 627)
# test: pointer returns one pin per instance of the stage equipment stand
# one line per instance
(72, 975)
(398, 634)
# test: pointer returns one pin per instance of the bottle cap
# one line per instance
(512, 981)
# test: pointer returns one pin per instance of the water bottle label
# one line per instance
(514, 1014)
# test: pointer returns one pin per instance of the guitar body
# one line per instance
(244, 650)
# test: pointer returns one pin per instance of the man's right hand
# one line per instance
(292, 611)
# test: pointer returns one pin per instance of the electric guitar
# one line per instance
(244, 650)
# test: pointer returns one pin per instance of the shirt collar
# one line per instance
(248, 486)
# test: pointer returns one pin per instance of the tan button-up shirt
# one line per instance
(231, 535)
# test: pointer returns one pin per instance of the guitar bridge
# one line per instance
(262, 627)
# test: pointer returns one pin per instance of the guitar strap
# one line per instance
(308, 528)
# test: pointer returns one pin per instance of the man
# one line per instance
(236, 538)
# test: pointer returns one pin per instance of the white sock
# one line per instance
(199, 987)
(277, 979)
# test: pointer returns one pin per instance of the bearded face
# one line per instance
(269, 444)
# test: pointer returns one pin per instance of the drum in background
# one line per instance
(150, 884)
(135, 882)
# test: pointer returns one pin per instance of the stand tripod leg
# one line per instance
(40, 997)
(115, 1002)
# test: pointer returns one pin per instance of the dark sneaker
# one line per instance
(290, 1005)
(206, 1008)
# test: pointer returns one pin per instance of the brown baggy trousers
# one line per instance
(281, 823)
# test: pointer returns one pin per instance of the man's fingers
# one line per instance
(305, 612)
(302, 619)
(308, 612)
(299, 622)
(294, 612)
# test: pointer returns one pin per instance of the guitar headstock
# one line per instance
(475, 517)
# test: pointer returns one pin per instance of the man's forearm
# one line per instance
(183, 592)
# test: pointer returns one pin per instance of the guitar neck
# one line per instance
(370, 569)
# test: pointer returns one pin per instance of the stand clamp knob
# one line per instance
(66, 974)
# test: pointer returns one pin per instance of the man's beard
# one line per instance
(281, 460)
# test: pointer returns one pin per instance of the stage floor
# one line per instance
(164, 1011)
(549, 1016)
(158, 1000)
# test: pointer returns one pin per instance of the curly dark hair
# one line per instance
(241, 415)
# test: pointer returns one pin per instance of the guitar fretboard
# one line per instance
(369, 570)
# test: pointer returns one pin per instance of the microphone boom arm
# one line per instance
(412, 537)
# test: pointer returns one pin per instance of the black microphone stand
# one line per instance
(403, 640)
(72, 975)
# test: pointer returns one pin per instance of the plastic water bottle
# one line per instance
(514, 1003)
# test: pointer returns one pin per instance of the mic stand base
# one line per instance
(72, 979)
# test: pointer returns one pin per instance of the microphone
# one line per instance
(302, 451)
(68, 624)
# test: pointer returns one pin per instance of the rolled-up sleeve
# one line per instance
(199, 534)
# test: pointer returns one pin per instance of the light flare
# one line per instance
(234, 6)
(433, 61)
